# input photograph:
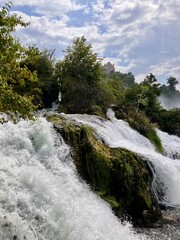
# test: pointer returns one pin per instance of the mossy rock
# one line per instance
(117, 175)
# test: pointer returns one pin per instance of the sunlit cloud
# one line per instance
(137, 36)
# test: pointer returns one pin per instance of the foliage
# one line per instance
(152, 95)
(142, 124)
(139, 121)
(80, 75)
(154, 139)
(78, 98)
(141, 96)
(169, 91)
(43, 64)
(110, 93)
(14, 97)
(138, 105)
(128, 100)
(172, 82)
(126, 79)
(81, 63)
(169, 121)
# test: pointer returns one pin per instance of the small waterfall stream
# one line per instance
(41, 195)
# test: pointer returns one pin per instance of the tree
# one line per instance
(134, 98)
(13, 77)
(169, 121)
(151, 80)
(172, 82)
(43, 64)
(81, 63)
(153, 106)
(80, 75)
(169, 92)
(140, 97)
(128, 79)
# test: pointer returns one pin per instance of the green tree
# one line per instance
(81, 63)
(140, 97)
(153, 106)
(43, 63)
(13, 77)
(172, 82)
(169, 92)
(80, 75)
(151, 80)
(169, 121)
(128, 79)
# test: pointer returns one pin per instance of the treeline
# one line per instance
(27, 76)
(31, 79)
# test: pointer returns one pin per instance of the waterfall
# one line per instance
(117, 133)
(41, 195)
(171, 144)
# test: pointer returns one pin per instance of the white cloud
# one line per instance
(50, 7)
(138, 25)
(138, 36)
(52, 33)
(140, 77)
(168, 68)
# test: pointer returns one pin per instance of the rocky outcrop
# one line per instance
(117, 175)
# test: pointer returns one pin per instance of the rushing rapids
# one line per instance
(41, 195)
(117, 133)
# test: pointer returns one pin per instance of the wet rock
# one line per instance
(117, 175)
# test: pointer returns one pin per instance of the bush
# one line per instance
(153, 137)
(142, 124)
(169, 121)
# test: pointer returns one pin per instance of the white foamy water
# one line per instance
(171, 144)
(41, 195)
(117, 133)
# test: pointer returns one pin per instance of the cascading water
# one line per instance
(41, 195)
(171, 144)
(117, 133)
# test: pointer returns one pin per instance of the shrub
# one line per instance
(139, 122)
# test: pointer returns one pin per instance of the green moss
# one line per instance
(112, 201)
(95, 161)
(56, 119)
(153, 137)
(119, 176)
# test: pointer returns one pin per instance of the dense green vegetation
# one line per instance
(43, 64)
(15, 97)
(80, 76)
(26, 74)
(31, 79)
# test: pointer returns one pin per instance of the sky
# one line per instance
(136, 36)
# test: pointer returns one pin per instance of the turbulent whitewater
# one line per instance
(166, 167)
(41, 195)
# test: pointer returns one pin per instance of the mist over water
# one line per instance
(41, 195)
(169, 103)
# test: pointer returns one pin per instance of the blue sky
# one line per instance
(137, 36)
